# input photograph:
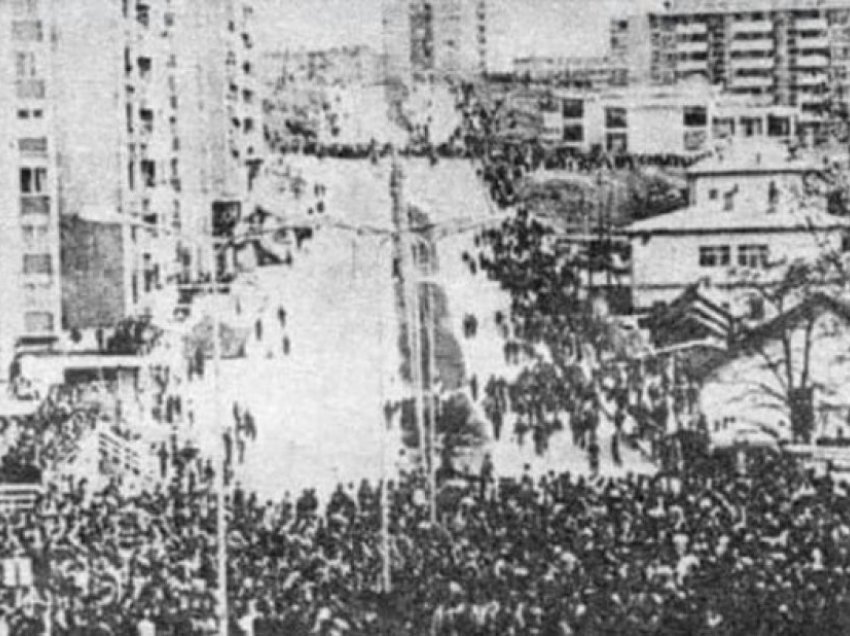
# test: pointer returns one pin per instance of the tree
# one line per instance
(800, 314)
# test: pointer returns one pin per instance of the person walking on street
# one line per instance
(615, 449)
(163, 460)
(593, 455)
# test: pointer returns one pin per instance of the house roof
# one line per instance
(816, 304)
(702, 219)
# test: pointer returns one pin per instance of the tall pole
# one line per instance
(410, 291)
(221, 481)
(433, 398)
(386, 581)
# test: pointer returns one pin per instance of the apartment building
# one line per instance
(29, 288)
(797, 52)
(105, 139)
(342, 66)
(435, 37)
(588, 72)
(220, 121)
(685, 119)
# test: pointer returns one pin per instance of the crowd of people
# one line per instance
(707, 551)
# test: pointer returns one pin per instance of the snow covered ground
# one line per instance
(319, 409)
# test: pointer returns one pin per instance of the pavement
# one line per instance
(319, 409)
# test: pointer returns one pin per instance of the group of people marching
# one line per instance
(707, 552)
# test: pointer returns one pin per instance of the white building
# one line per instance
(105, 107)
(435, 37)
(682, 120)
(795, 52)
(748, 210)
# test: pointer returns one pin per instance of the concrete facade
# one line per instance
(102, 123)
(796, 52)
(749, 217)
(682, 120)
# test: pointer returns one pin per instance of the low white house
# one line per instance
(749, 210)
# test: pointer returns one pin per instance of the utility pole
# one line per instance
(221, 479)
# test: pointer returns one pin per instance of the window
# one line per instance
(25, 65)
(714, 256)
(573, 109)
(38, 321)
(753, 256)
(574, 133)
(37, 264)
(33, 180)
(148, 170)
(143, 16)
(144, 64)
(616, 142)
(778, 126)
(712, 194)
(695, 117)
(146, 119)
(27, 31)
(25, 8)
(615, 117)
(33, 146)
(34, 235)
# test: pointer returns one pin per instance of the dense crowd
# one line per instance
(705, 552)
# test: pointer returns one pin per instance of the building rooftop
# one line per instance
(743, 6)
(710, 220)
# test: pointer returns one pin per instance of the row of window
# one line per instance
(751, 256)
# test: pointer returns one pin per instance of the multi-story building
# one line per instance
(341, 66)
(442, 37)
(685, 119)
(29, 287)
(220, 127)
(586, 72)
(797, 52)
(105, 138)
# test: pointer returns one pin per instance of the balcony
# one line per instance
(811, 79)
(752, 26)
(811, 61)
(30, 89)
(761, 63)
(691, 47)
(817, 42)
(752, 81)
(691, 66)
(35, 204)
(810, 24)
(762, 44)
(692, 28)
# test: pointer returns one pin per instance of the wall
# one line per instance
(654, 280)
(655, 129)
(753, 190)
(92, 273)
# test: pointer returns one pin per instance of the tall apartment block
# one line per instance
(443, 37)
(787, 52)
(125, 130)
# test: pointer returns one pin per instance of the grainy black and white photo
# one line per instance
(424, 317)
